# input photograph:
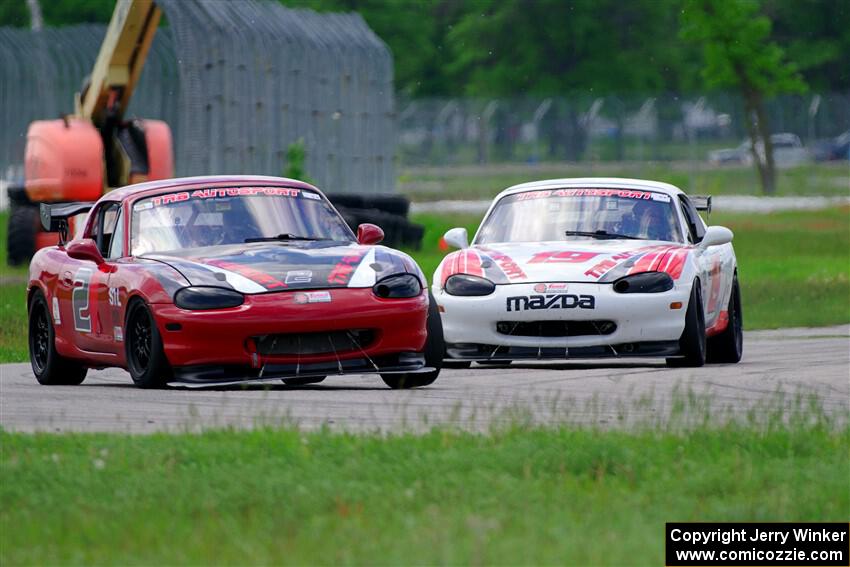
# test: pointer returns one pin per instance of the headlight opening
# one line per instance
(467, 285)
(207, 297)
(645, 282)
(398, 286)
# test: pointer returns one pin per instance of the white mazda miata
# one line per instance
(591, 268)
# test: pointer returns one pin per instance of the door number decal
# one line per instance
(80, 300)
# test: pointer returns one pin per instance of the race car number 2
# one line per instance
(80, 300)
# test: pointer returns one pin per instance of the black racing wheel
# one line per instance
(49, 367)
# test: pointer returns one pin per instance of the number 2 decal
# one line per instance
(80, 300)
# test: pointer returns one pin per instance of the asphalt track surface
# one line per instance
(781, 368)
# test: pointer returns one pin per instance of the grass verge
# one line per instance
(515, 496)
(794, 267)
(485, 181)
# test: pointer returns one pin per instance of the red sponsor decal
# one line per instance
(511, 268)
(341, 273)
(225, 192)
(590, 192)
(599, 269)
(562, 257)
(266, 280)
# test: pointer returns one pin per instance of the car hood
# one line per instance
(280, 266)
(565, 261)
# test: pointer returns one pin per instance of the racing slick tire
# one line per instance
(23, 225)
(302, 381)
(49, 367)
(450, 363)
(728, 346)
(435, 348)
(692, 343)
(146, 359)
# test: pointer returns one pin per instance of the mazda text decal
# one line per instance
(550, 301)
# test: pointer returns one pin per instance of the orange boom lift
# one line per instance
(81, 156)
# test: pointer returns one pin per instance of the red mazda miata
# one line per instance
(223, 280)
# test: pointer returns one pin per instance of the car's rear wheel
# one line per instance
(146, 360)
(435, 349)
(49, 367)
(728, 346)
(302, 381)
(692, 342)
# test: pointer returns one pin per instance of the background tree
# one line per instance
(739, 53)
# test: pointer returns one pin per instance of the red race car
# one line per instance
(222, 280)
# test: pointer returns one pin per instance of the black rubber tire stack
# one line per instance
(387, 211)
(24, 223)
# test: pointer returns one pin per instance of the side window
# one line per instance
(696, 230)
(104, 226)
(116, 247)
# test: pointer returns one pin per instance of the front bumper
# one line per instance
(644, 324)
(229, 338)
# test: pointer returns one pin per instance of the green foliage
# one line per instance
(515, 496)
(551, 47)
(14, 13)
(737, 47)
(296, 154)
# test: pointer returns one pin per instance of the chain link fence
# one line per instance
(238, 82)
(463, 131)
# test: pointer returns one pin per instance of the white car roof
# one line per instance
(614, 182)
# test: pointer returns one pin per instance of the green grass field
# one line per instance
(794, 270)
(514, 496)
(484, 182)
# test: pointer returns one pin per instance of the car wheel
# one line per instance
(434, 351)
(494, 362)
(692, 341)
(146, 359)
(728, 346)
(302, 381)
(451, 363)
(49, 367)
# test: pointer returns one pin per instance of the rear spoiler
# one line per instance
(701, 202)
(54, 218)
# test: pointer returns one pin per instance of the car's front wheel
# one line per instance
(146, 359)
(728, 346)
(692, 342)
(50, 368)
(434, 351)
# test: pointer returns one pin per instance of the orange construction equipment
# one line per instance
(81, 156)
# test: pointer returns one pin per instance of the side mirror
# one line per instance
(368, 233)
(84, 249)
(457, 237)
(715, 236)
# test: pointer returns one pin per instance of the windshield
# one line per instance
(233, 215)
(566, 214)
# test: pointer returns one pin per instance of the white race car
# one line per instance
(591, 268)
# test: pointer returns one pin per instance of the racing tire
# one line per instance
(435, 349)
(728, 346)
(302, 381)
(23, 224)
(692, 343)
(146, 360)
(451, 363)
(50, 368)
